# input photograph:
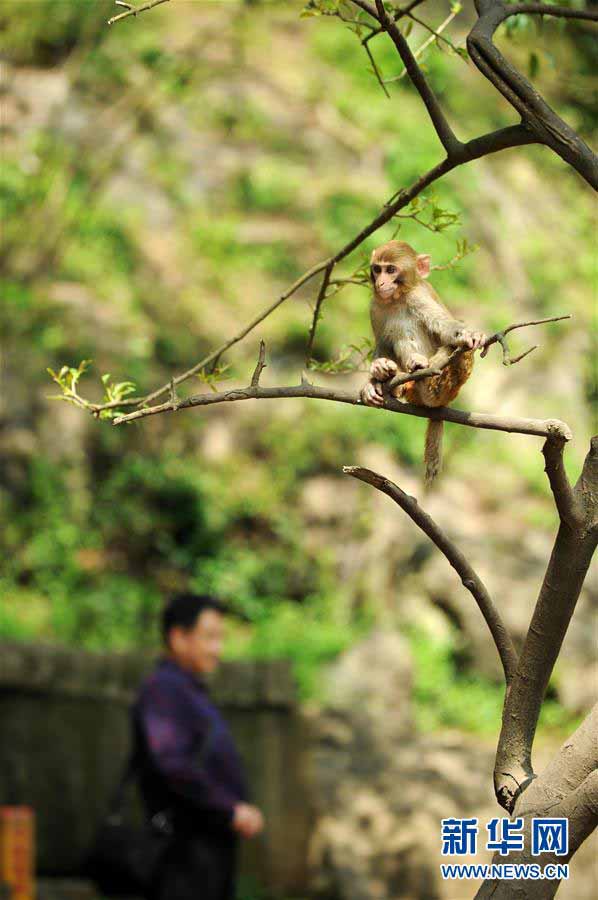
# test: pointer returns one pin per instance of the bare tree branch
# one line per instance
(571, 556)
(576, 759)
(559, 482)
(500, 337)
(549, 128)
(316, 315)
(375, 68)
(134, 10)
(466, 573)
(586, 488)
(580, 808)
(548, 428)
(441, 125)
(544, 9)
(435, 35)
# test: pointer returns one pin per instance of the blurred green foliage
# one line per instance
(170, 183)
(447, 697)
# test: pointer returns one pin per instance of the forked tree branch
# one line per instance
(439, 120)
(569, 563)
(566, 789)
(580, 810)
(469, 578)
(499, 337)
(572, 774)
(552, 429)
(548, 127)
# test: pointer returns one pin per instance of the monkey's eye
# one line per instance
(391, 269)
(376, 270)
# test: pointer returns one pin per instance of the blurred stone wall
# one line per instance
(65, 737)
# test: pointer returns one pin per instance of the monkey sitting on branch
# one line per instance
(414, 330)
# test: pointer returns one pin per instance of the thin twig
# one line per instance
(507, 360)
(398, 14)
(434, 34)
(134, 10)
(240, 335)
(314, 322)
(437, 33)
(261, 363)
(497, 338)
(536, 322)
(469, 578)
(362, 282)
(375, 68)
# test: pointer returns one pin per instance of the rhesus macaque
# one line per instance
(413, 330)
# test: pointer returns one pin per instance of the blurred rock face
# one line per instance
(381, 789)
(372, 684)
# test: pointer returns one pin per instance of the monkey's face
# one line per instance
(387, 277)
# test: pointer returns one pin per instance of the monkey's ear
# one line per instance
(422, 264)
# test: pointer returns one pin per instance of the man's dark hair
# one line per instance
(182, 610)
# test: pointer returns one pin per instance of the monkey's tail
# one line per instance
(433, 451)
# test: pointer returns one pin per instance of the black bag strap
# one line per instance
(133, 766)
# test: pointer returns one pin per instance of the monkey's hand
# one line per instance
(371, 394)
(417, 361)
(382, 369)
(469, 340)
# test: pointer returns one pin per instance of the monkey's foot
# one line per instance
(382, 369)
(417, 361)
(371, 394)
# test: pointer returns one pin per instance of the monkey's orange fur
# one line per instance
(440, 390)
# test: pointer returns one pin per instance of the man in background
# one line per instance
(189, 765)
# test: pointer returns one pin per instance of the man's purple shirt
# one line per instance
(188, 743)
